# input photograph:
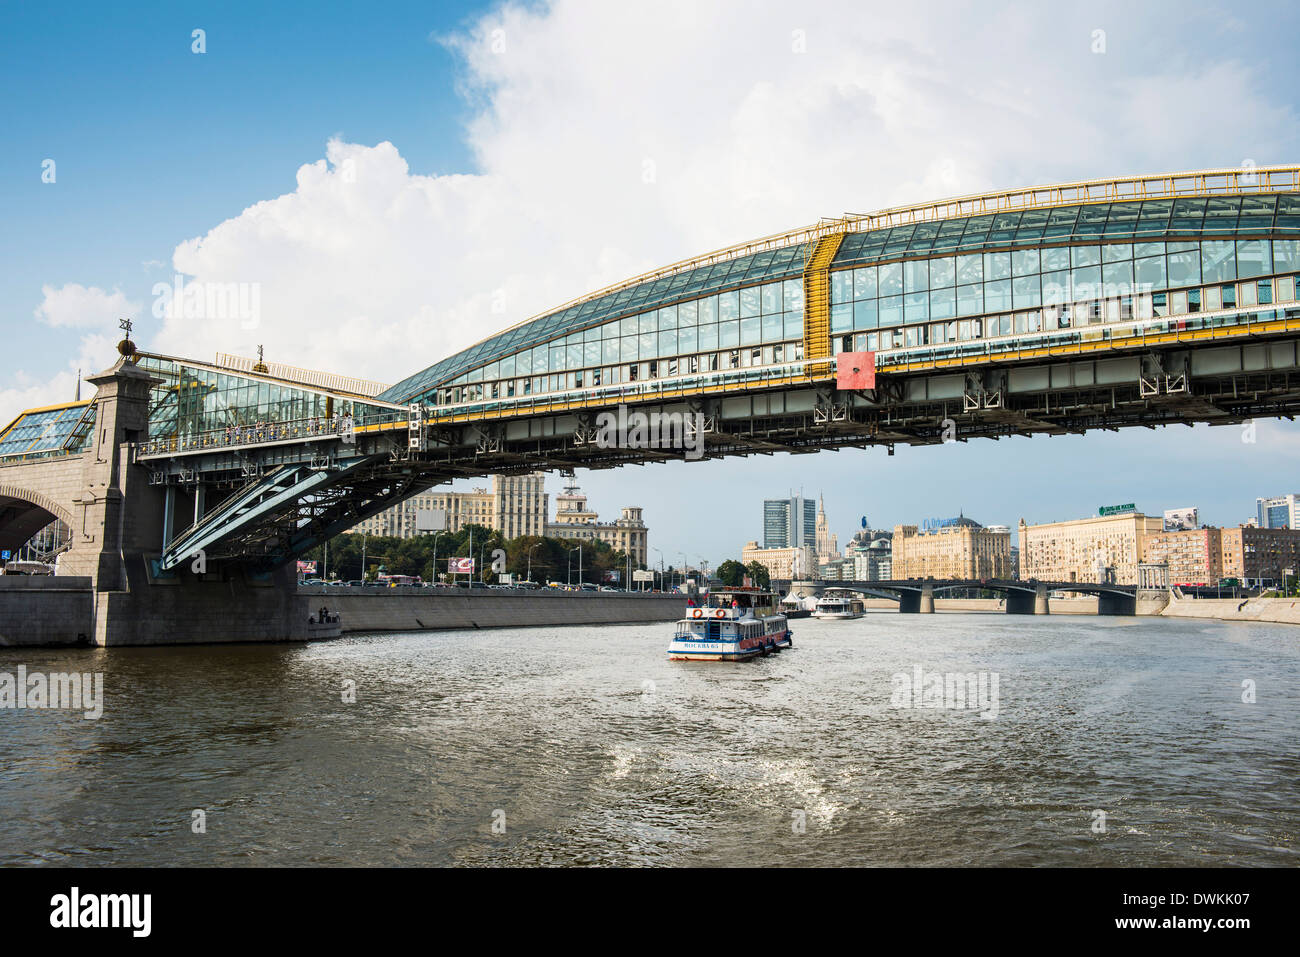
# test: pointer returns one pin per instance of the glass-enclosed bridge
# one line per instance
(1054, 309)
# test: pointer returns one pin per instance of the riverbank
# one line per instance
(427, 609)
(1285, 611)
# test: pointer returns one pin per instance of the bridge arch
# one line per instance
(24, 512)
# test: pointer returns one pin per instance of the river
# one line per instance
(586, 746)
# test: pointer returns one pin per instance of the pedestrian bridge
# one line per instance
(1131, 302)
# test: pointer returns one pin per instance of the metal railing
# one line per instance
(240, 436)
(308, 377)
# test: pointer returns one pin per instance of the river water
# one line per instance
(545, 746)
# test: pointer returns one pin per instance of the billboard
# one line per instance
(1177, 519)
(306, 568)
(643, 576)
(431, 520)
(460, 566)
(1116, 509)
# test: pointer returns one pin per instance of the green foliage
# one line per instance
(758, 572)
(731, 573)
(553, 559)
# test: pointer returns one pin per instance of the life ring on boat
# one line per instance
(697, 613)
(720, 613)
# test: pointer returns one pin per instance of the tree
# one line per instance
(732, 573)
(551, 557)
(758, 572)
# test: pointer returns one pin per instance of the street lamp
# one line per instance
(434, 575)
(569, 578)
(530, 561)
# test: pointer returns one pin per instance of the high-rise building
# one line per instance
(1282, 511)
(828, 544)
(789, 522)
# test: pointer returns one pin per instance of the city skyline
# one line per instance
(920, 490)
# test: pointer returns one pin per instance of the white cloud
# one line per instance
(370, 269)
(93, 314)
(80, 307)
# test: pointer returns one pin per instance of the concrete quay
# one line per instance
(420, 609)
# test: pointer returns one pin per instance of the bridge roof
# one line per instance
(1198, 203)
(48, 431)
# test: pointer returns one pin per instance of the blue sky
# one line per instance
(501, 155)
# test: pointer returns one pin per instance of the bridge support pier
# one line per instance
(913, 601)
(1115, 604)
(120, 523)
(1022, 602)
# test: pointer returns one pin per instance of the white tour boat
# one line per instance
(839, 604)
(730, 625)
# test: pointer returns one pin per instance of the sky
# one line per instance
(400, 180)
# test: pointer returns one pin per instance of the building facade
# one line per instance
(574, 520)
(1281, 511)
(1206, 556)
(787, 563)
(1192, 556)
(1101, 549)
(963, 549)
(515, 505)
(1260, 556)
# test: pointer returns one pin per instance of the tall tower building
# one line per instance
(828, 545)
(789, 522)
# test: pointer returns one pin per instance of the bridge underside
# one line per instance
(19, 521)
(327, 493)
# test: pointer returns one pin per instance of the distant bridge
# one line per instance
(916, 595)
